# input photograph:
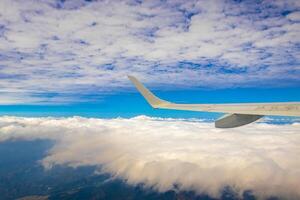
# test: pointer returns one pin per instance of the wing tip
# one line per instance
(153, 100)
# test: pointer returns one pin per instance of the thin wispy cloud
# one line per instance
(169, 154)
(79, 47)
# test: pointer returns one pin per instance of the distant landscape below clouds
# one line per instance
(62, 51)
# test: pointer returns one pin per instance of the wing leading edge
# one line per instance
(241, 114)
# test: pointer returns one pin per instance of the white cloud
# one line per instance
(295, 16)
(51, 46)
(161, 152)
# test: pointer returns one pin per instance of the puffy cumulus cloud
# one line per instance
(162, 153)
(82, 47)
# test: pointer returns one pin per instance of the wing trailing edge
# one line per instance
(236, 120)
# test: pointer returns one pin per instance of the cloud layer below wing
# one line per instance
(162, 153)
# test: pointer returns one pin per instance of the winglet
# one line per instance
(154, 101)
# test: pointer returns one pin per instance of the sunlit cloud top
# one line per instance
(52, 50)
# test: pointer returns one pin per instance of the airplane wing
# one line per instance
(239, 114)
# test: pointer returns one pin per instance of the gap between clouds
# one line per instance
(161, 153)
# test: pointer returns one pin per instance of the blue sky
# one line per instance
(131, 103)
(62, 58)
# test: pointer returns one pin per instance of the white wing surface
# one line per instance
(240, 114)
